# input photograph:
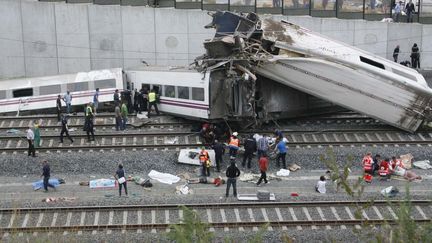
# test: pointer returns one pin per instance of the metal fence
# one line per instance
(345, 9)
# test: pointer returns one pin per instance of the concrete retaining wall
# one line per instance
(40, 38)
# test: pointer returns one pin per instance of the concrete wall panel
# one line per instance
(40, 44)
(171, 37)
(371, 36)
(11, 44)
(197, 34)
(105, 36)
(138, 36)
(307, 22)
(72, 38)
(426, 47)
(338, 29)
(405, 35)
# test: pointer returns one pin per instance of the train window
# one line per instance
(22, 92)
(50, 89)
(80, 86)
(2, 94)
(372, 62)
(183, 92)
(169, 91)
(105, 84)
(198, 94)
(157, 88)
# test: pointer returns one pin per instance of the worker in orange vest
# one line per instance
(204, 159)
(367, 163)
(234, 145)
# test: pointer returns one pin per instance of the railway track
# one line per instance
(103, 122)
(176, 140)
(224, 216)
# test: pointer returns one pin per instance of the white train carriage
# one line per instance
(182, 91)
(41, 93)
(347, 76)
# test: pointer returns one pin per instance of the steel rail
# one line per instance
(213, 205)
(75, 228)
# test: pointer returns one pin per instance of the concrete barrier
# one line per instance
(47, 38)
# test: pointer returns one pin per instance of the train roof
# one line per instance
(162, 69)
(60, 79)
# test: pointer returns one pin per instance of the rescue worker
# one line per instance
(250, 147)
(152, 102)
(89, 122)
(385, 169)
(65, 129)
(234, 145)
(219, 149)
(204, 159)
(367, 163)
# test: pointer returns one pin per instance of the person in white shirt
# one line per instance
(30, 139)
(321, 185)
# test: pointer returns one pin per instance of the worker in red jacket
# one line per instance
(367, 163)
(263, 165)
(385, 169)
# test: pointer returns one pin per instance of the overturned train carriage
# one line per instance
(246, 47)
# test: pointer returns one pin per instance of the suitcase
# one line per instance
(263, 195)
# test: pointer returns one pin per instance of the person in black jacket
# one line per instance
(250, 147)
(415, 56)
(410, 10)
(58, 107)
(232, 173)
(46, 173)
(396, 53)
(65, 129)
(219, 150)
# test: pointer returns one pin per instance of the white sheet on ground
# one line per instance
(191, 156)
(424, 164)
(283, 172)
(163, 177)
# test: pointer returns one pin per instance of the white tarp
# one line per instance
(283, 172)
(424, 164)
(191, 156)
(163, 177)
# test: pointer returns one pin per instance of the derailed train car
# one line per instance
(245, 46)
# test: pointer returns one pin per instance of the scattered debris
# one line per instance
(142, 182)
(171, 141)
(183, 190)
(260, 196)
(406, 160)
(142, 116)
(102, 183)
(14, 131)
(140, 123)
(249, 177)
(390, 191)
(59, 199)
(424, 164)
(163, 177)
(283, 172)
(294, 194)
(294, 167)
(191, 156)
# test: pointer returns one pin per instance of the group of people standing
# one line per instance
(415, 56)
(409, 11)
(251, 145)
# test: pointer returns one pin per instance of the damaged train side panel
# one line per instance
(245, 46)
